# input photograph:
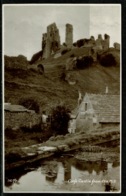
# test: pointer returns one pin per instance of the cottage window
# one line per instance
(85, 106)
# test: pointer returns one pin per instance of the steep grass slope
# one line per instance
(49, 90)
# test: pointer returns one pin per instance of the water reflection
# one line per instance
(67, 170)
(83, 166)
(13, 177)
(59, 170)
(50, 169)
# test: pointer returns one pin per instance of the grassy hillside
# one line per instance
(49, 90)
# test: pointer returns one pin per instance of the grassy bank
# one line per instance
(14, 148)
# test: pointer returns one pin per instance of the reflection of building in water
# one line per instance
(51, 178)
(50, 169)
(67, 170)
(90, 166)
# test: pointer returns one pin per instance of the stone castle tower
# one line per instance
(69, 35)
(50, 40)
(103, 43)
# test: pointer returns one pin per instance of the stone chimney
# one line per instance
(69, 35)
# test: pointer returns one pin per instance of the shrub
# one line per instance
(64, 44)
(65, 51)
(75, 44)
(80, 42)
(59, 120)
(30, 104)
(107, 60)
(15, 62)
(85, 62)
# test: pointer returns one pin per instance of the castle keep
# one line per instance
(50, 40)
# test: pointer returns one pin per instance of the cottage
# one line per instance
(98, 110)
(16, 116)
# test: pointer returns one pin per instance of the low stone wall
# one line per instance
(20, 119)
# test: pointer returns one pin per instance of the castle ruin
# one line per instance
(69, 35)
(116, 46)
(102, 44)
(50, 40)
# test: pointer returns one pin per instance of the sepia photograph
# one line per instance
(61, 98)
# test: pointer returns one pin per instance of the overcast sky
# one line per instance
(23, 25)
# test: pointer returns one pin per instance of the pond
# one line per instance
(65, 174)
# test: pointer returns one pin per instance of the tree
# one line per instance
(59, 120)
(84, 62)
(108, 60)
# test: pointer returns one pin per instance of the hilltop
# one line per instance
(49, 90)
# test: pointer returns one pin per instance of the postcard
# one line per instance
(62, 98)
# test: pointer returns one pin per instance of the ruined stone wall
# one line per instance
(50, 40)
(106, 42)
(102, 44)
(21, 119)
(93, 53)
(116, 46)
(69, 35)
(99, 42)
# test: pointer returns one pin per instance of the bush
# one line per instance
(107, 60)
(30, 104)
(80, 42)
(65, 51)
(59, 120)
(17, 62)
(85, 62)
(64, 44)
